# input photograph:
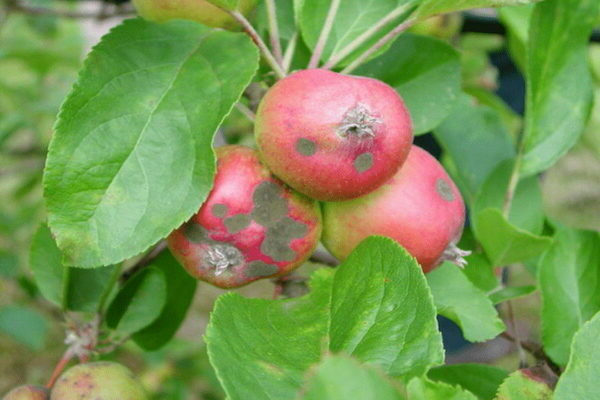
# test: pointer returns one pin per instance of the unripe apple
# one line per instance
(250, 227)
(195, 10)
(100, 380)
(332, 136)
(420, 207)
(27, 392)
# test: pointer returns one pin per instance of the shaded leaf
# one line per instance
(509, 293)
(456, 298)
(24, 325)
(480, 379)
(424, 389)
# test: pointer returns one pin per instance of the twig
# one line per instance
(535, 350)
(289, 52)
(274, 31)
(324, 35)
(379, 44)
(513, 323)
(514, 179)
(259, 42)
(324, 258)
(364, 37)
(248, 113)
(144, 261)
(60, 367)
(31, 10)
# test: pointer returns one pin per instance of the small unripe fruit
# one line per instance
(27, 392)
(98, 381)
(332, 136)
(420, 207)
(195, 10)
(250, 227)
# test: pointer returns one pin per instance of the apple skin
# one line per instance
(331, 136)
(250, 227)
(420, 207)
(100, 380)
(195, 10)
(27, 392)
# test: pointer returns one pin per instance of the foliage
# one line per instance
(90, 188)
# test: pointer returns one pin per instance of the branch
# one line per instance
(289, 52)
(322, 41)
(379, 44)
(364, 37)
(259, 42)
(144, 261)
(535, 350)
(274, 31)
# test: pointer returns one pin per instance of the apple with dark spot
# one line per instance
(333, 136)
(420, 207)
(102, 380)
(27, 392)
(251, 226)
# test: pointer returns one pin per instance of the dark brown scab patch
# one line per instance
(237, 223)
(278, 237)
(195, 233)
(257, 269)
(363, 162)
(444, 189)
(306, 147)
(219, 210)
(269, 204)
(222, 256)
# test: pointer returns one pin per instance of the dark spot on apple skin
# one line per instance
(363, 162)
(269, 204)
(444, 189)
(237, 223)
(195, 233)
(219, 210)
(257, 269)
(278, 237)
(306, 147)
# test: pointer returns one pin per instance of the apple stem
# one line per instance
(274, 31)
(365, 36)
(324, 35)
(289, 52)
(246, 111)
(60, 366)
(259, 42)
(379, 44)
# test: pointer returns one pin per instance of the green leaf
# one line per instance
(519, 386)
(131, 158)
(503, 242)
(432, 7)
(70, 288)
(180, 291)
(476, 140)
(342, 378)
(456, 298)
(481, 380)
(24, 325)
(426, 73)
(526, 211)
(376, 307)
(87, 288)
(45, 260)
(481, 272)
(569, 281)
(559, 83)
(509, 293)
(353, 18)
(227, 4)
(516, 20)
(424, 389)
(580, 379)
(139, 302)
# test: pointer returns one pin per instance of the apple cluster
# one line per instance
(335, 162)
(100, 380)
